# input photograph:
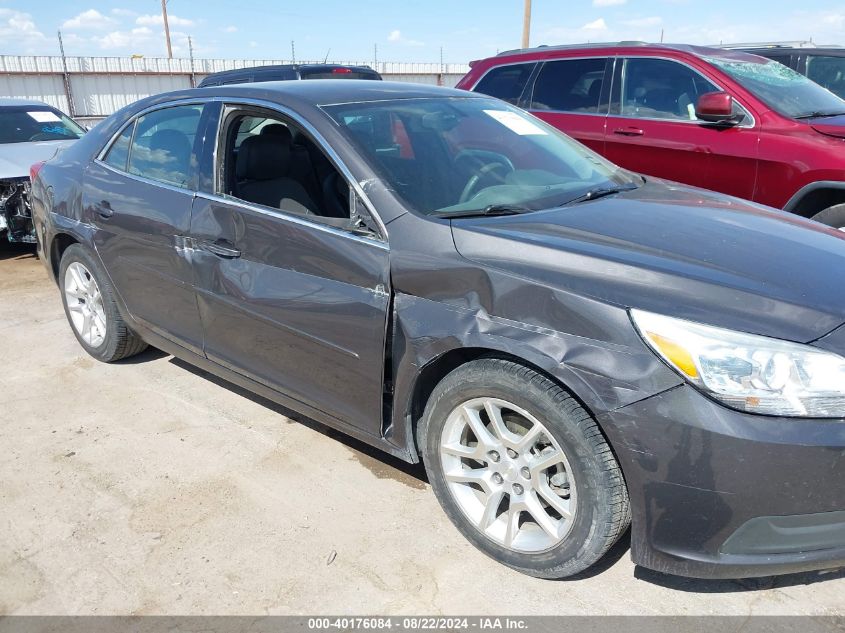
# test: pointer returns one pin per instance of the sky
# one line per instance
(405, 31)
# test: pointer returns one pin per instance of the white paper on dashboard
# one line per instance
(516, 123)
(44, 117)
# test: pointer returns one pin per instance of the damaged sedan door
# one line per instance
(139, 195)
(293, 289)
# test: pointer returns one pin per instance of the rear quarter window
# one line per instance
(506, 82)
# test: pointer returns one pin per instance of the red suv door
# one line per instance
(652, 128)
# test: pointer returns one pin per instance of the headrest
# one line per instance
(263, 158)
(174, 142)
(277, 130)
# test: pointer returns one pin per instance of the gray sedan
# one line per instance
(568, 347)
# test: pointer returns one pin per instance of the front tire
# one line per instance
(832, 216)
(91, 310)
(522, 470)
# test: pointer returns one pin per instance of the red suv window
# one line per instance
(506, 82)
(569, 85)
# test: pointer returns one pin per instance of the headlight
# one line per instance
(748, 372)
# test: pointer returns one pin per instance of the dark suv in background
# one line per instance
(714, 118)
(287, 72)
(823, 64)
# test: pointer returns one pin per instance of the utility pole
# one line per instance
(166, 28)
(526, 24)
(66, 79)
(191, 53)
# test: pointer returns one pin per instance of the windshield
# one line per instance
(781, 88)
(457, 155)
(23, 124)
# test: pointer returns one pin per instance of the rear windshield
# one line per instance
(25, 124)
(339, 73)
(781, 88)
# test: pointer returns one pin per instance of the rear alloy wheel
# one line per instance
(91, 309)
(832, 216)
(85, 304)
(522, 470)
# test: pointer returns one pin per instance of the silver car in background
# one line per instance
(31, 132)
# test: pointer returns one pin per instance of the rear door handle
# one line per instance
(221, 248)
(628, 131)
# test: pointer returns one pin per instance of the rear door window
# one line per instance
(569, 85)
(163, 145)
(506, 82)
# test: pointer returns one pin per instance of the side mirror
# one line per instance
(718, 108)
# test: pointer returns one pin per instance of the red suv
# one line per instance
(723, 120)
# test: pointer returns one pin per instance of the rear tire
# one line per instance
(91, 309)
(559, 478)
(832, 216)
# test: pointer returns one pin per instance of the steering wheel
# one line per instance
(483, 173)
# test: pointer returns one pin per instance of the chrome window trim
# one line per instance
(145, 180)
(160, 106)
(290, 217)
(382, 240)
(623, 58)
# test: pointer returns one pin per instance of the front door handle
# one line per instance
(221, 248)
(103, 209)
(629, 131)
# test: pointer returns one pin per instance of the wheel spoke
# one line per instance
(468, 452)
(513, 524)
(530, 438)
(468, 476)
(473, 419)
(494, 413)
(78, 279)
(545, 461)
(75, 292)
(491, 508)
(538, 513)
(554, 500)
(86, 327)
(75, 307)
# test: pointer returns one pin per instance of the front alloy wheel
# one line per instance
(508, 474)
(522, 469)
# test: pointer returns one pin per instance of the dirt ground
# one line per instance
(150, 487)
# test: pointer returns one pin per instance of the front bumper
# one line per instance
(716, 493)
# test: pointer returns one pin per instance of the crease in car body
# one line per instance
(497, 333)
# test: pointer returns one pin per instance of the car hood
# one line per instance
(17, 158)
(830, 125)
(679, 251)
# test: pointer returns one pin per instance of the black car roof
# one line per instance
(828, 51)
(271, 68)
(329, 91)
(306, 94)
